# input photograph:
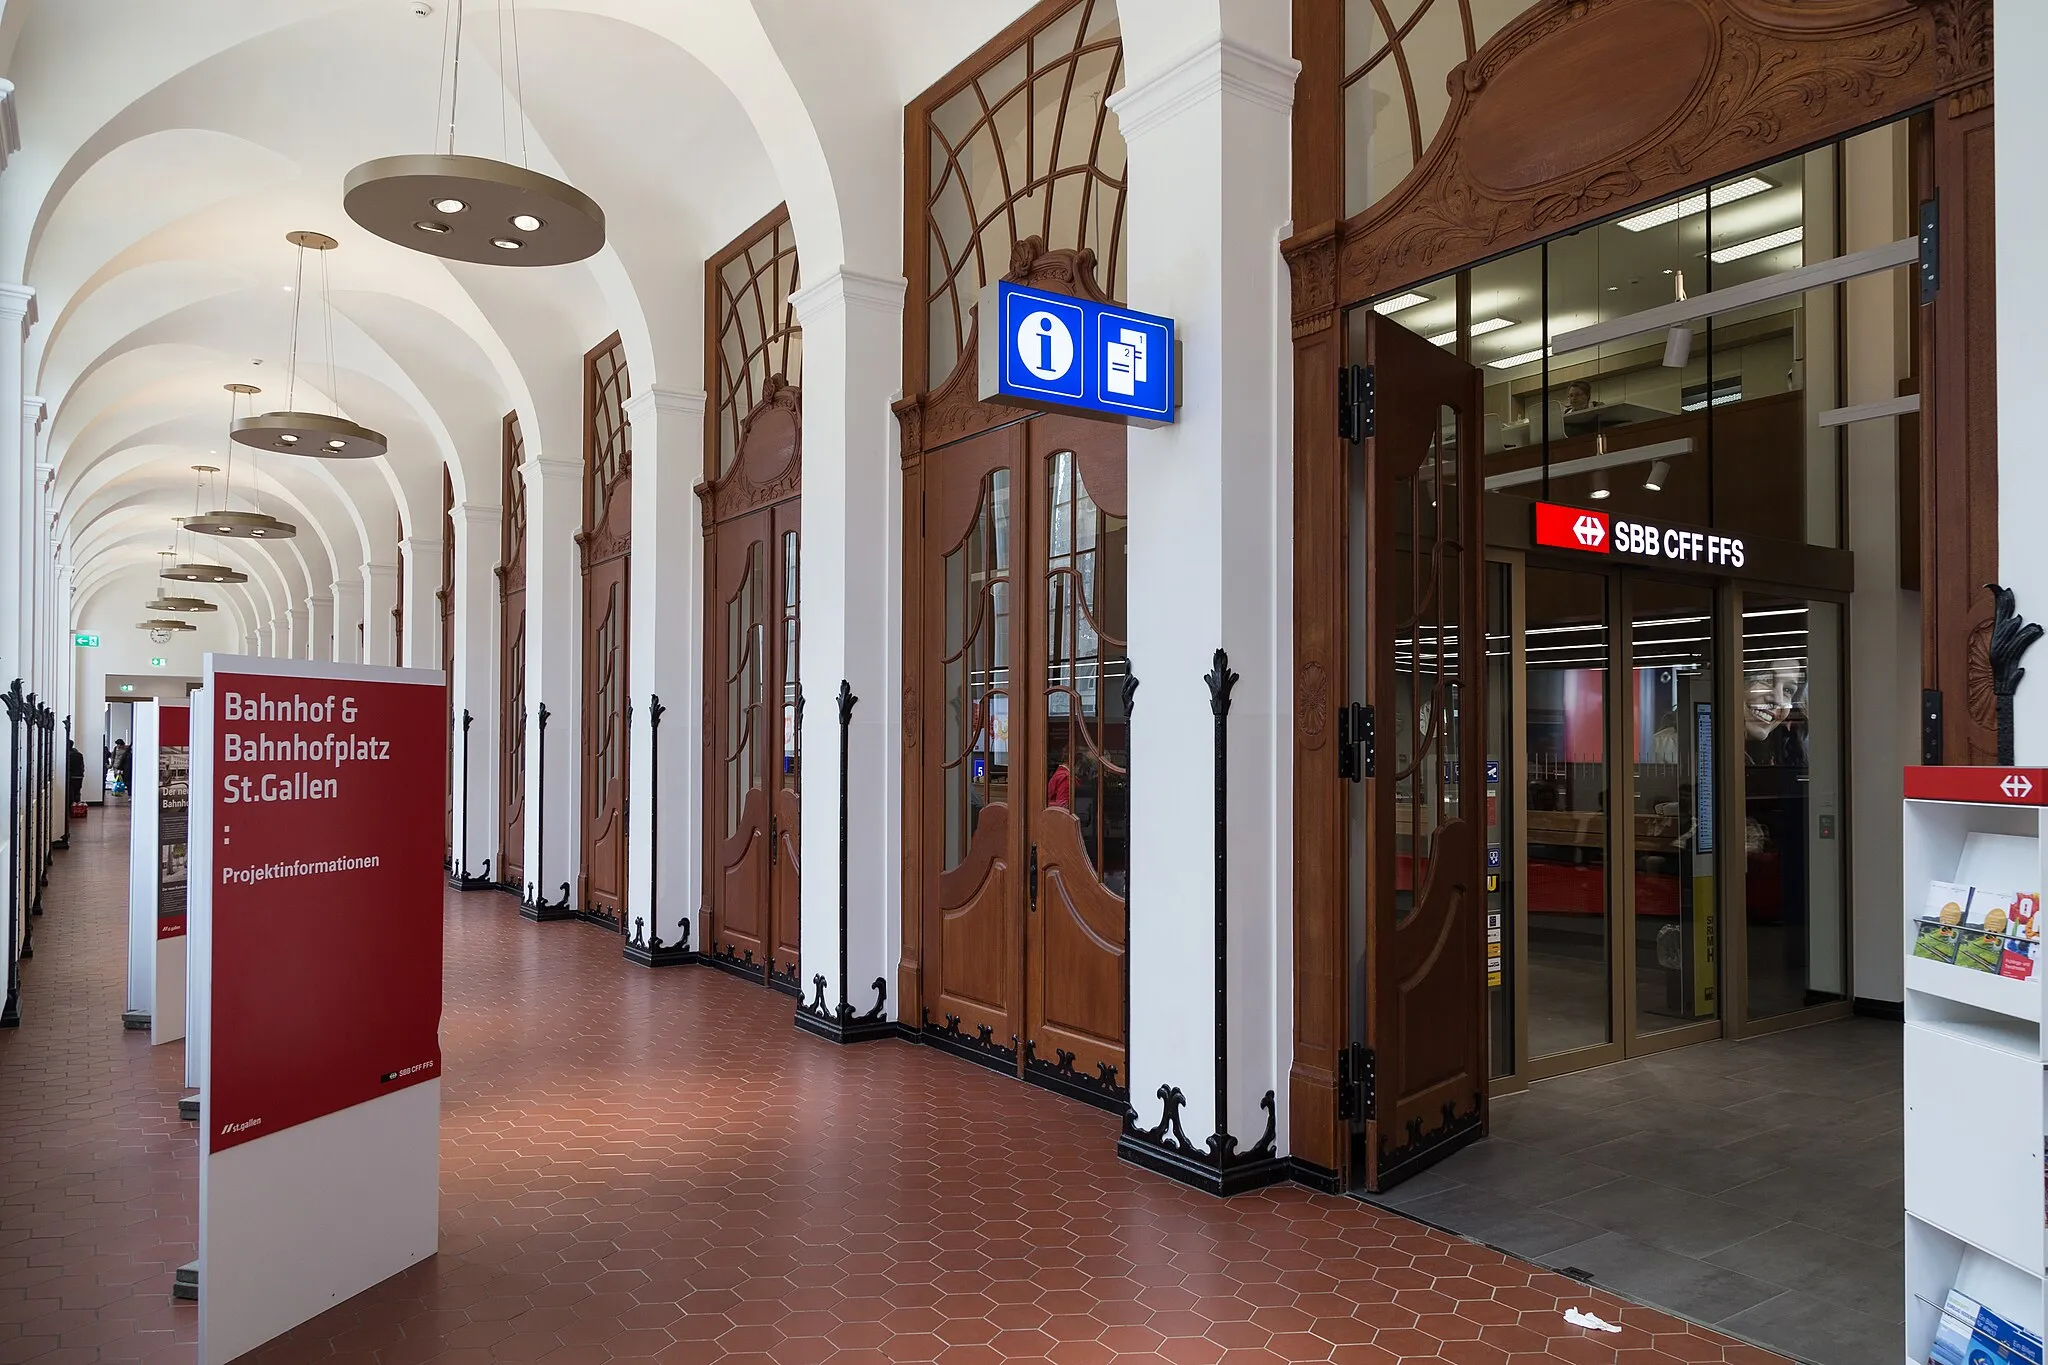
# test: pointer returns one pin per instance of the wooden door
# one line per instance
(743, 728)
(785, 864)
(511, 866)
(752, 513)
(1424, 882)
(604, 756)
(973, 931)
(607, 545)
(1075, 727)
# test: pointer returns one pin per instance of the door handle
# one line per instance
(774, 843)
(1033, 873)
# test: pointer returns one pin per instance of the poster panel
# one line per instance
(173, 795)
(326, 896)
(315, 906)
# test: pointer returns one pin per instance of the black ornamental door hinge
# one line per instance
(1355, 402)
(1356, 1095)
(1930, 248)
(1354, 742)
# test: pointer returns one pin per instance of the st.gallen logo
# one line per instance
(2016, 785)
(1589, 531)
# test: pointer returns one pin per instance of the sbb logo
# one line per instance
(1572, 528)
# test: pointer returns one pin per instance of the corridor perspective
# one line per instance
(612, 1191)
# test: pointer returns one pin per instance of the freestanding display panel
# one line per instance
(316, 920)
(157, 852)
(1975, 1096)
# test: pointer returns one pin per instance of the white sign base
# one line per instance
(294, 1224)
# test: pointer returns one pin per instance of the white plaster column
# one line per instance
(348, 620)
(554, 659)
(1210, 540)
(422, 602)
(319, 629)
(380, 599)
(2022, 281)
(479, 530)
(17, 469)
(665, 641)
(294, 633)
(277, 638)
(852, 602)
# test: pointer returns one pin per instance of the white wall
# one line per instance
(2022, 46)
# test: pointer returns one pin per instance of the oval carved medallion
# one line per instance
(1590, 90)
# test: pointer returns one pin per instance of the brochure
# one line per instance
(1971, 1334)
(1980, 929)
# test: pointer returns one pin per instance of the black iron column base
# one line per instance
(1219, 1168)
(188, 1108)
(135, 1020)
(461, 880)
(185, 1282)
(10, 1013)
(1314, 1176)
(546, 912)
(62, 841)
(642, 952)
(814, 1018)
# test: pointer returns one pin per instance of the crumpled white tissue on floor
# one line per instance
(1598, 1324)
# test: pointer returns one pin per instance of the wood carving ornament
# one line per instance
(1537, 140)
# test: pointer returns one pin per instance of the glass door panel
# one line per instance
(1792, 706)
(1501, 685)
(1566, 792)
(1673, 735)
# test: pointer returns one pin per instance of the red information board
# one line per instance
(326, 809)
(1992, 786)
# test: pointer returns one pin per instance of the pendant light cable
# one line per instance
(455, 78)
(327, 312)
(519, 85)
(291, 376)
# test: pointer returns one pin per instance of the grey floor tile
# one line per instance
(1682, 1163)
(1529, 1175)
(1514, 1227)
(1688, 1224)
(1875, 1215)
(1557, 1127)
(1663, 1279)
(1868, 1279)
(1696, 1087)
(1819, 1329)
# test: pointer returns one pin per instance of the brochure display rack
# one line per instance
(1976, 1092)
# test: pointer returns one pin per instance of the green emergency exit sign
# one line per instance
(156, 663)
(84, 641)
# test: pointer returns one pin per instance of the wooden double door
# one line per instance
(754, 710)
(1025, 776)
(1416, 732)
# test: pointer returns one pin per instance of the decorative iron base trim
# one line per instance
(62, 841)
(788, 982)
(1396, 1163)
(10, 1013)
(1219, 1168)
(642, 953)
(546, 912)
(462, 881)
(188, 1108)
(135, 1021)
(981, 1048)
(728, 960)
(1100, 1090)
(185, 1282)
(813, 1016)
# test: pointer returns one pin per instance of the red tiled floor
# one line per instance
(658, 1166)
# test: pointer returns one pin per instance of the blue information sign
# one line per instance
(1067, 354)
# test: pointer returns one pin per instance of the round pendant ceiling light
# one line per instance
(224, 519)
(163, 602)
(164, 623)
(474, 208)
(322, 435)
(205, 573)
(190, 569)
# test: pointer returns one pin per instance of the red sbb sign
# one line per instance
(1581, 528)
(1991, 786)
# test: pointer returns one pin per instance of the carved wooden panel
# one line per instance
(510, 867)
(1539, 136)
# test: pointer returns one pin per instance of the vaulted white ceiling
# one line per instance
(168, 149)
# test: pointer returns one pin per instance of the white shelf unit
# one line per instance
(1976, 1093)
